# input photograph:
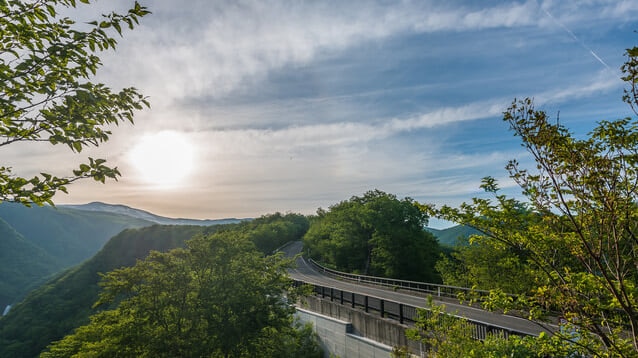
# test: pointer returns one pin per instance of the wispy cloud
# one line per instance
(362, 131)
(298, 104)
(242, 41)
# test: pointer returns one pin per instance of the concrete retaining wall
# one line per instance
(358, 325)
(338, 340)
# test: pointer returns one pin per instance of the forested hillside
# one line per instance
(22, 264)
(375, 234)
(217, 297)
(40, 241)
(54, 238)
(453, 236)
(64, 302)
(68, 235)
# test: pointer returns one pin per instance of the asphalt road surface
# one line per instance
(306, 273)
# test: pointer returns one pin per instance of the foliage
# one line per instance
(578, 228)
(218, 297)
(54, 309)
(69, 235)
(270, 232)
(445, 335)
(46, 64)
(375, 234)
(442, 334)
(481, 265)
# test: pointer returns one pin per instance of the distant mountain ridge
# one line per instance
(23, 265)
(58, 306)
(37, 242)
(145, 215)
(455, 235)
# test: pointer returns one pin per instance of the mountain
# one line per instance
(70, 236)
(23, 265)
(145, 215)
(65, 302)
(38, 241)
(455, 235)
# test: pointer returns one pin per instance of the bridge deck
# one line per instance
(306, 272)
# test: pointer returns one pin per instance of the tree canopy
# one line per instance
(375, 234)
(219, 297)
(269, 232)
(576, 231)
(63, 303)
(46, 95)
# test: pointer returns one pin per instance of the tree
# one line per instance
(219, 297)
(375, 234)
(578, 226)
(46, 94)
(443, 335)
(270, 232)
(481, 265)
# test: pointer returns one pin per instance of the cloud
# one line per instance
(395, 83)
(289, 138)
(229, 44)
(344, 133)
(603, 82)
(225, 46)
(582, 13)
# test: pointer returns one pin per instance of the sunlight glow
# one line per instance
(163, 159)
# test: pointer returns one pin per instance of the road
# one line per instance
(305, 272)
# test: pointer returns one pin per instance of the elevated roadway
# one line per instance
(307, 273)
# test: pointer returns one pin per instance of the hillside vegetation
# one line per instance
(453, 236)
(41, 241)
(71, 236)
(375, 234)
(65, 302)
(219, 296)
(22, 264)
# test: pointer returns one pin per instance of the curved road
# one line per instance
(305, 272)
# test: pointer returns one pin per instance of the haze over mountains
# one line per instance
(64, 302)
(145, 215)
(51, 257)
(40, 241)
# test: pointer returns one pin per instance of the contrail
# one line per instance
(582, 44)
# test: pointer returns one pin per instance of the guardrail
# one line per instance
(404, 314)
(421, 287)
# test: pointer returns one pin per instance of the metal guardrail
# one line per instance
(421, 287)
(404, 314)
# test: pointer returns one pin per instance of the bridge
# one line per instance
(393, 302)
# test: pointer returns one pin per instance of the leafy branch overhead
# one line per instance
(46, 94)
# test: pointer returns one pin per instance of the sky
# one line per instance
(265, 106)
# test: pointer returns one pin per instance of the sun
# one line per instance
(164, 159)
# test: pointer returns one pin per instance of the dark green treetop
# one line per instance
(219, 297)
(375, 234)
